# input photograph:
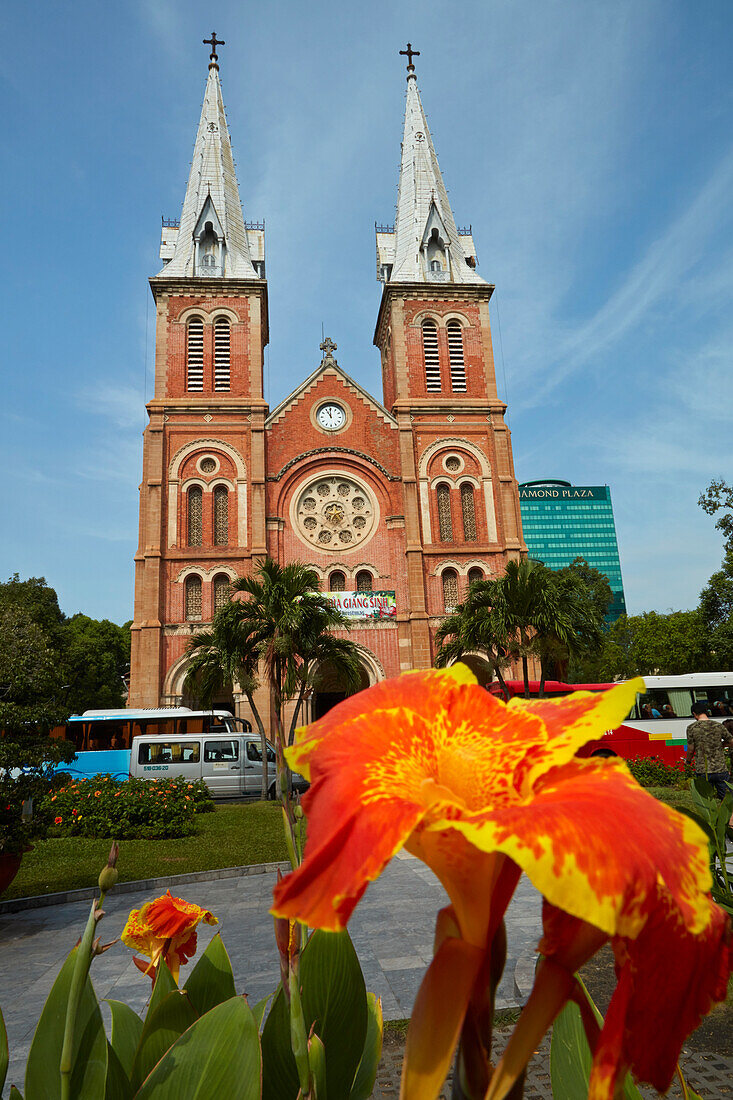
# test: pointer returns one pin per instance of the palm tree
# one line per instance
(288, 623)
(476, 626)
(526, 611)
(221, 657)
(280, 626)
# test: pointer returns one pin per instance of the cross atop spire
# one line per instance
(409, 53)
(213, 42)
(425, 245)
(328, 348)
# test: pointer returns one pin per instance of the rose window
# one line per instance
(333, 512)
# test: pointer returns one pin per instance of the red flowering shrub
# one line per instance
(131, 808)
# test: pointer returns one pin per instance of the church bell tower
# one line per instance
(461, 500)
(202, 496)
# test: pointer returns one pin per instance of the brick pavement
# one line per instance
(392, 931)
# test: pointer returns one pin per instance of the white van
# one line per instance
(229, 763)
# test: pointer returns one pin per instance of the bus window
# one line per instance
(215, 751)
(663, 703)
(254, 752)
(179, 752)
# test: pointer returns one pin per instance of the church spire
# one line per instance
(425, 245)
(212, 239)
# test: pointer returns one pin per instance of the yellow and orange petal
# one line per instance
(432, 752)
(166, 923)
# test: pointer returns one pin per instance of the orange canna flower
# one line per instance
(58, 820)
(165, 929)
(480, 791)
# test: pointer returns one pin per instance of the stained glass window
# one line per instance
(450, 589)
(445, 521)
(193, 598)
(195, 355)
(475, 574)
(195, 515)
(221, 591)
(468, 509)
(364, 581)
(221, 515)
(337, 582)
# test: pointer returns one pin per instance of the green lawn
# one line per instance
(230, 837)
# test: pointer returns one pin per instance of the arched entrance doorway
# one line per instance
(175, 692)
(329, 689)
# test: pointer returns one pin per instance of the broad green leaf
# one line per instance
(117, 1085)
(571, 1060)
(219, 1056)
(42, 1075)
(4, 1053)
(366, 1074)
(127, 1027)
(164, 984)
(334, 1000)
(211, 981)
(261, 1007)
(163, 1025)
(317, 1064)
(279, 1074)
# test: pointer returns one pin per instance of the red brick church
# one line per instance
(412, 495)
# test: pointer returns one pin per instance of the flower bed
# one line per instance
(141, 808)
(651, 771)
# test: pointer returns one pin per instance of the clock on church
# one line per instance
(331, 416)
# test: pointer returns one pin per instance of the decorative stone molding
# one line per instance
(334, 512)
(331, 450)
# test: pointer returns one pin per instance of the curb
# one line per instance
(17, 905)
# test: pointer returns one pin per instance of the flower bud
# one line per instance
(107, 878)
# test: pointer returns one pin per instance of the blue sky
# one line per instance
(589, 145)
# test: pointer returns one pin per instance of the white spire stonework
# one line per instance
(425, 246)
(212, 239)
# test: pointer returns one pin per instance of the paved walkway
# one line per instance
(392, 930)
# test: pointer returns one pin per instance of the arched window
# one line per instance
(475, 574)
(221, 591)
(195, 355)
(455, 354)
(468, 508)
(337, 582)
(195, 504)
(221, 353)
(364, 581)
(193, 598)
(432, 359)
(450, 589)
(221, 516)
(445, 522)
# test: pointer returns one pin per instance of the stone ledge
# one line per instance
(17, 905)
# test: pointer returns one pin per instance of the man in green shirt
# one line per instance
(706, 741)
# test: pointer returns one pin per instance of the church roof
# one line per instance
(423, 214)
(212, 183)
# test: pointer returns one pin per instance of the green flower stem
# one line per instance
(84, 955)
(298, 1037)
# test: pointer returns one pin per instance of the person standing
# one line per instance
(706, 741)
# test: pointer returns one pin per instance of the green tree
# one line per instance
(648, 644)
(716, 609)
(224, 656)
(96, 657)
(38, 602)
(599, 591)
(528, 611)
(31, 682)
(278, 626)
(719, 497)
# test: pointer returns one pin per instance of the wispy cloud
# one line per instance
(123, 405)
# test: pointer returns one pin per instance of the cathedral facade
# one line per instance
(397, 503)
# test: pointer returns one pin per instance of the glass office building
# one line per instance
(563, 521)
